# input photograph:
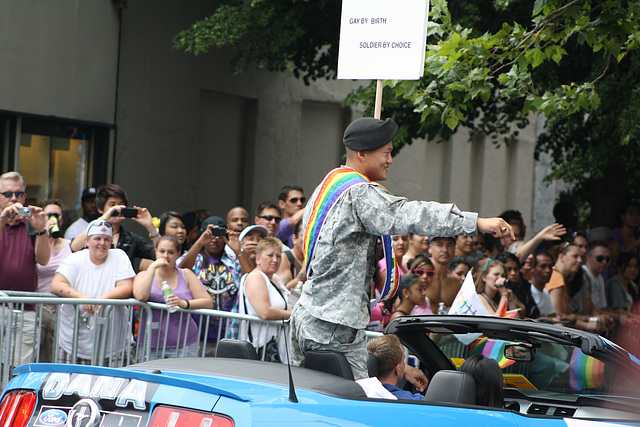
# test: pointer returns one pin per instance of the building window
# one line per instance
(57, 159)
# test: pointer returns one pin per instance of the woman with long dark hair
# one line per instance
(489, 380)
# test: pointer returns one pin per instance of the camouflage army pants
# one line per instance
(310, 333)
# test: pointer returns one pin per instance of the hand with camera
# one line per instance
(113, 214)
(249, 248)
(38, 220)
(208, 235)
(144, 218)
(205, 240)
(233, 241)
(9, 213)
(205, 237)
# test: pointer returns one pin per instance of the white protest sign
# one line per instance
(383, 39)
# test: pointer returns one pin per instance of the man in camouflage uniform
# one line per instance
(333, 311)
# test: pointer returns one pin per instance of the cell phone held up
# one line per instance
(125, 212)
(218, 231)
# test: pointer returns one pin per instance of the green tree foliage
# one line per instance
(489, 65)
(277, 35)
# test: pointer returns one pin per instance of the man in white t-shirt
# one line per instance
(542, 269)
(96, 273)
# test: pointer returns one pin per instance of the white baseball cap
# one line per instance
(99, 227)
(260, 228)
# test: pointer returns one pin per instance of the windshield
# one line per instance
(553, 367)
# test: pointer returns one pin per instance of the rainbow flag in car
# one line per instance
(585, 372)
(492, 349)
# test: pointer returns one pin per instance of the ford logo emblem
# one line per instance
(53, 417)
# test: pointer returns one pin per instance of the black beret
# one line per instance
(367, 133)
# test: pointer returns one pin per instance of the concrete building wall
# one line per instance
(198, 136)
(189, 134)
(476, 176)
(59, 58)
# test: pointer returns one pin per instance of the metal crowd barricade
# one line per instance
(24, 315)
(227, 329)
(109, 342)
(184, 331)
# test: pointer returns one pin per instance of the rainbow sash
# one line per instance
(333, 187)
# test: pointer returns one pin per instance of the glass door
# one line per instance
(55, 161)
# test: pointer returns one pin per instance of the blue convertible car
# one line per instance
(554, 376)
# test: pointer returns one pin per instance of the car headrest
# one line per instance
(327, 361)
(372, 365)
(236, 349)
(451, 387)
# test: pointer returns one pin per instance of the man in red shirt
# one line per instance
(23, 242)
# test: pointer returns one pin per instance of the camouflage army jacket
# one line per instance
(337, 289)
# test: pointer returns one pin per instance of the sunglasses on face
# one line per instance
(8, 194)
(296, 199)
(601, 258)
(270, 218)
(421, 272)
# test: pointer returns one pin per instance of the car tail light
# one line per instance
(16, 408)
(170, 416)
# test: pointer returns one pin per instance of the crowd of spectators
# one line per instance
(191, 260)
(561, 275)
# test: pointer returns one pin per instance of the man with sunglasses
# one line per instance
(291, 200)
(23, 244)
(268, 215)
(343, 219)
(598, 259)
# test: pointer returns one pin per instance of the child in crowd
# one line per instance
(411, 291)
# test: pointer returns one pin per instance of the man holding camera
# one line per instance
(23, 243)
(111, 201)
